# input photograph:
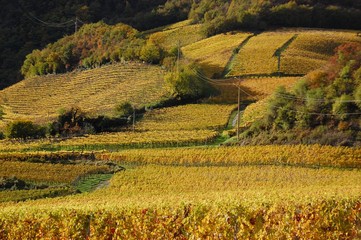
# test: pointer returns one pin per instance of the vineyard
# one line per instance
(299, 155)
(171, 175)
(192, 124)
(183, 33)
(258, 55)
(252, 89)
(199, 202)
(214, 53)
(47, 173)
(311, 50)
(95, 91)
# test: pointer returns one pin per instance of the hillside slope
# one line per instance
(95, 91)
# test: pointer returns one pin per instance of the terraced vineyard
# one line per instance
(234, 199)
(300, 155)
(214, 53)
(175, 126)
(309, 50)
(183, 33)
(22, 195)
(46, 172)
(95, 91)
(258, 55)
(181, 191)
(193, 124)
(312, 48)
(252, 89)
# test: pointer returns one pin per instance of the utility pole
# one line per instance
(76, 24)
(133, 118)
(178, 56)
(279, 64)
(239, 106)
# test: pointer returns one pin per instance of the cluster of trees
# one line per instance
(225, 15)
(73, 122)
(330, 96)
(32, 24)
(93, 45)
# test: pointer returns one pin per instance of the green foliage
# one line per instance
(222, 16)
(124, 109)
(93, 45)
(300, 88)
(151, 53)
(24, 130)
(21, 34)
(280, 112)
(69, 122)
(12, 183)
(357, 96)
(330, 96)
(186, 83)
(343, 106)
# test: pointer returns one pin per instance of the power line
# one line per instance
(39, 21)
(202, 77)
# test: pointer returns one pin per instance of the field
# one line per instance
(214, 53)
(258, 55)
(311, 49)
(169, 177)
(252, 89)
(183, 33)
(232, 199)
(192, 124)
(307, 156)
(95, 91)
(47, 173)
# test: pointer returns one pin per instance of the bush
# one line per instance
(151, 53)
(124, 109)
(12, 184)
(187, 84)
(343, 106)
(25, 129)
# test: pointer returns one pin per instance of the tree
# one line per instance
(25, 129)
(151, 53)
(187, 84)
(124, 109)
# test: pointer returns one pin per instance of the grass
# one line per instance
(92, 182)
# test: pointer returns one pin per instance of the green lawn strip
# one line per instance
(91, 182)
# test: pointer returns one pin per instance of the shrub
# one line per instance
(124, 109)
(25, 129)
(343, 106)
(12, 184)
(151, 53)
(186, 84)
